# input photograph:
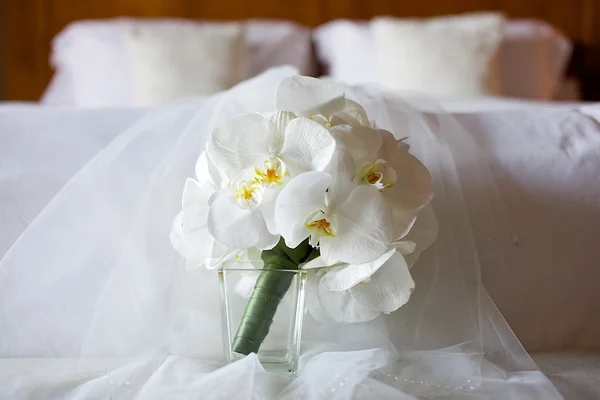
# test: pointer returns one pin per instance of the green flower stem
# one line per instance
(271, 286)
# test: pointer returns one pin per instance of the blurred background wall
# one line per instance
(2, 75)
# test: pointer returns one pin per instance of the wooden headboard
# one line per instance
(28, 26)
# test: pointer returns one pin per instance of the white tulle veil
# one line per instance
(95, 303)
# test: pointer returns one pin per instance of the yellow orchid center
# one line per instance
(377, 174)
(319, 226)
(272, 172)
(321, 119)
(247, 194)
(373, 177)
(322, 225)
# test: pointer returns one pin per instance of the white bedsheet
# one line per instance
(485, 104)
(545, 159)
(476, 104)
(575, 374)
(546, 280)
(545, 162)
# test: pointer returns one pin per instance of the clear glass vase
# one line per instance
(280, 350)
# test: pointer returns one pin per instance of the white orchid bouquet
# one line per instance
(312, 185)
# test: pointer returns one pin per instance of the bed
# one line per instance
(561, 329)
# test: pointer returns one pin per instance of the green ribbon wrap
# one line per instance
(270, 287)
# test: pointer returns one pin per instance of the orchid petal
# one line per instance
(176, 236)
(362, 142)
(207, 174)
(423, 233)
(230, 224)
(267, 207)
(346, 276)
(405, 247)
(352, 114)
(389, 288)
(246, 281)
(342, 307)
(196, 193)
(402, 219)
(307, 96)
(414, 186)
(279, 122)
(193, 245)
(312, 303)
(363, 229)
(221, 254)
(308, 146)
(316, 263)
(390, 145)
(266, 240)
(239, 144)
(357, 112)
(298, 199)
(342, 170)
(253, 256)
(197, 237)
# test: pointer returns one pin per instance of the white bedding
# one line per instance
(456, 105)
(545, 160)
(472, 104)
(547, 282)
(575, 374)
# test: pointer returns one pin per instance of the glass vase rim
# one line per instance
(300, 270)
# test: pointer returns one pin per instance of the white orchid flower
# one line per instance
(388, 288)
(259, 155)
(403, 181)
(361, 292)
(320, 101)
(279, 143)
(348, 223)
(364, 291)
(189, 233)
(234, 217)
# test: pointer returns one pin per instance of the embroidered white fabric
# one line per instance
(95, 304)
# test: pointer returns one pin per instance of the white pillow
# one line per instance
(447, 56)
(532, 57)
(91, 57)
(174, 61)
(272, 43)
(345, 48)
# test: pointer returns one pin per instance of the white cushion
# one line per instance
(532, 57)
(448, 56)
(272, 43)
(92, 58)
(174, 61)
(346, 49)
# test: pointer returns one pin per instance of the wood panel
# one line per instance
(28, 26)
